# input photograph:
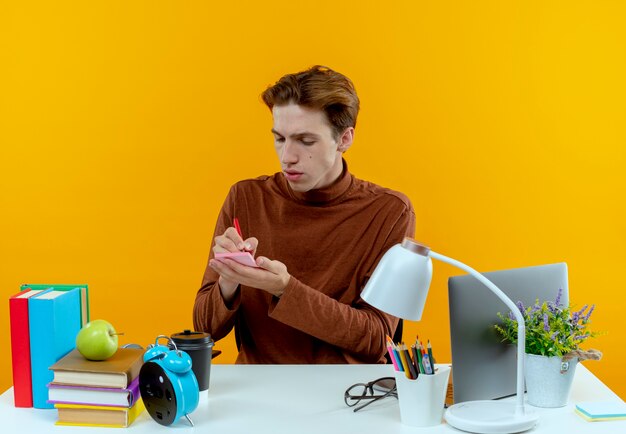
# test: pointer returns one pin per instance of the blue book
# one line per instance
(84, 296)
(54, 319)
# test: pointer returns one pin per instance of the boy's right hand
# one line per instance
(230, 241)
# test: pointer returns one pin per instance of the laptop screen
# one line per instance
(483, 367)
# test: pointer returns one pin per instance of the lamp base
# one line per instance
(490, 417)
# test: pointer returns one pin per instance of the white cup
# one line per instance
(421, 400)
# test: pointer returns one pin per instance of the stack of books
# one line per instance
(601, 411)
(97, 393)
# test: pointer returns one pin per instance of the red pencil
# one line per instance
(236, 223)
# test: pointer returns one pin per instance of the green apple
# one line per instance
(97, 340)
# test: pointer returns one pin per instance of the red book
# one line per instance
(20, 348)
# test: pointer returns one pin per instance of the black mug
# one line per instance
(199, 346)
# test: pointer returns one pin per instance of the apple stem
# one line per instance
(116, 334)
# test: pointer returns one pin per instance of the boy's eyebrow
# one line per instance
(297, 135)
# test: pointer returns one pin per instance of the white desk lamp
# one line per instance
(399, 286)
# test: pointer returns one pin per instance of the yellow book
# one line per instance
(98, 415)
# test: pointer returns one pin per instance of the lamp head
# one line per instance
(400, 282)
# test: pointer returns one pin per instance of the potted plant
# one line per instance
(554, 335)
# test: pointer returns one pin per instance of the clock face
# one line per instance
(157, 393)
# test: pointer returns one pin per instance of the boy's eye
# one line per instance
(307, 142)
(279, 139)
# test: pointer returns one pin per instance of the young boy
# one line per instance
(317, 233)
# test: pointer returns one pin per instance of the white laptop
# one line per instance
(482, 366)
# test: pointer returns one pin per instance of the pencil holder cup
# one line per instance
(421, 400)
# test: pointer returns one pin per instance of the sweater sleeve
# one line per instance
(359, 329)
(211, 314)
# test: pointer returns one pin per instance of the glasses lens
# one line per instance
(383, 385)
(355, 393)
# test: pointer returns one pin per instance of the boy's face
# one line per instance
(309, 155)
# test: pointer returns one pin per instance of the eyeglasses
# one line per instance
(366, 391)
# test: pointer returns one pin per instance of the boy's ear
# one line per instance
(345, 140)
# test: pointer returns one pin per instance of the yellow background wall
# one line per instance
(123, 124)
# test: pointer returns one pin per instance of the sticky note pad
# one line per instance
(602, 410)
(244, 258)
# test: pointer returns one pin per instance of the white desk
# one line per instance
(304, 399)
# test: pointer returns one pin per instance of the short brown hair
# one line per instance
(318, 88)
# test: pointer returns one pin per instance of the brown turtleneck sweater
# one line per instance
(330, 240)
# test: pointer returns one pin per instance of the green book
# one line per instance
(84, 296)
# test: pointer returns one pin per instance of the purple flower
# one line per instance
(546, 325)
(593, 306)
(554, 335)
(520, 306)
(511, 316)
(581, 311)
(581, 337)
(557, 302)
(575, 317)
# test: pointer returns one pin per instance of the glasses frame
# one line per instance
(369, 393)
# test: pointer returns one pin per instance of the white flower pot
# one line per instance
(548, 380)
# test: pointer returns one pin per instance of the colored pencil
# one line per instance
(392, 357)
(405, 365)
(409, 362)
(416, 360)
(430, 352)
(236, 223)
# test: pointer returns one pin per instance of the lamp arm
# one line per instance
(521, 325)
